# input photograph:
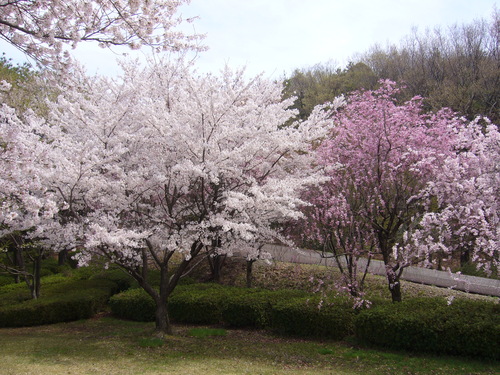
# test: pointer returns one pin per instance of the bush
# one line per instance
(200, 303)
(6, 279)
(15, 293)
(50, 266)
(252, 308)
(193, 303)
(63, 302)
(204, 304)
(471, 269)
(305, 318)
(123, 280)
(465, 327)
(134, 304)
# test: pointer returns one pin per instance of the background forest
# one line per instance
(458, 68)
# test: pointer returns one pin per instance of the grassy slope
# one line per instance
(298, 276)
(110, 346)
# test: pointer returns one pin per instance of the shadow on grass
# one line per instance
(108, 339)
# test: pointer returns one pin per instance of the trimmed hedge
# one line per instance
(64, 301)
(284, 311)
(123, 280)
(204, 304)
(133, 304)
(6, 280)
(253, 308)
(199, 305)
(303, 317)
(194, 303)
(466, 327)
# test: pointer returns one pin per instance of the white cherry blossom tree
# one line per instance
(465, 221)
(166, 161)
(27, 203)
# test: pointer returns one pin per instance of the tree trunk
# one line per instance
(37, 268)
(249, 272)
(393, 273)
(167, 285)
(162, 320)
(394, 288)
(163, 326)
(33, 279)
(62, 257)
(464, 257)
(18, 261)
(216, 263)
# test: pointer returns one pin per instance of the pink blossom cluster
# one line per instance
(404, 185)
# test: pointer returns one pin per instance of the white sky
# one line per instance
(277, 36)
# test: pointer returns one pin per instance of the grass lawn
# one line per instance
(111, 346)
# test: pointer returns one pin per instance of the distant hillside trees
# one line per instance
(26, 87)
(323, 83)
(457, 68)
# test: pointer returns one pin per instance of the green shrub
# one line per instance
(252, 307)
(204, 303)
(200, 303)
(189, 303)
(247, 310)
(64, 302)
(465, 327)
(6, 279)
(305, 318)
(123, 280)
(471, 269)
(15, 293)
(50, 266)
(11, 294)
(133, 304)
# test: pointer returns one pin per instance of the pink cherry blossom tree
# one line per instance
(380, 155)
(43, 28)
(167, 163)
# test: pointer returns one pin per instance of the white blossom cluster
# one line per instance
(164, 157)
(42, 28)
(467, 215)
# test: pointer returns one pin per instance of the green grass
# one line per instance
(206, 332)
(298, 276)
(151, 342)
(111, 346)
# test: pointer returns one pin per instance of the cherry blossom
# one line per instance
(380, 157)
(43, 28)
(166, 161)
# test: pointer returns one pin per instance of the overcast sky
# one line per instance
(277, 36)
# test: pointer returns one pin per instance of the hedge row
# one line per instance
(62, 302)
(284, 311)
(466, 327)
